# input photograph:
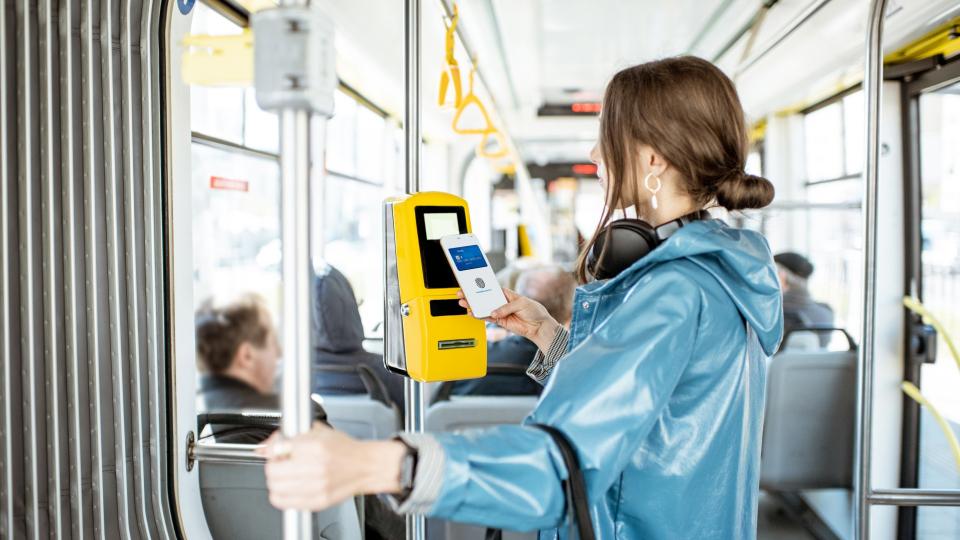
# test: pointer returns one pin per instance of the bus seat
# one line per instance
(808, 428)
(236, 506)
(360, 416)
(801, 341)
(466, 412)
(234, 495)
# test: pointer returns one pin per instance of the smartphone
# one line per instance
(473, 273)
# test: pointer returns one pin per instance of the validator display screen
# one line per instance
(439, 225)
(467, 257)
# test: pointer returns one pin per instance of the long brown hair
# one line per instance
(687, 110)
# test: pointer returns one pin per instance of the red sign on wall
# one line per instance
(218, 182)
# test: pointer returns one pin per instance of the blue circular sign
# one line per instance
(185, 5)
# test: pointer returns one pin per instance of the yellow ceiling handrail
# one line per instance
(451, 69)
(471, 98)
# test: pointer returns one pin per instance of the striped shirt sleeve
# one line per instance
(542, 363)
(428, 478)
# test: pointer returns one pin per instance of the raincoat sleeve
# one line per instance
(606, 396)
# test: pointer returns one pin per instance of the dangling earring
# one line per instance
(646, 184)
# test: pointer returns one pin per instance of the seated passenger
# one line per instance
(238, 353)
(800, 310)
(551, 286)
(238, 350)
(338, 341)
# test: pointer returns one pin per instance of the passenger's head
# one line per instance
(794, 270)
(553, 287)
(238, 340)
(677, 123)
(508, 275)
(337, 327)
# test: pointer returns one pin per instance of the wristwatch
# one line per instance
(408, 469)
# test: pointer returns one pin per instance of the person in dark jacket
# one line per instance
(237, 353)
(338, 341)
(800, 310)
(551, 286)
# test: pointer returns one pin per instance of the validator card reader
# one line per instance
(437, 339)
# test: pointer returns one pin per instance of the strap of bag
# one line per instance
(574, 487)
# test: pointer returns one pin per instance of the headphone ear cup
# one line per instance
(618, 246)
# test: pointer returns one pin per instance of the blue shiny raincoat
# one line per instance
(661, 393)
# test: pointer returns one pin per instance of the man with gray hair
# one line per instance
(551, 286)
(800, 310)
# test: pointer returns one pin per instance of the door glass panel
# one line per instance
(940, 256)
(236, 250)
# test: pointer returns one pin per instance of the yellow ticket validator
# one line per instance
(439, 340)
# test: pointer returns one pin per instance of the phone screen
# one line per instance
(467, 257)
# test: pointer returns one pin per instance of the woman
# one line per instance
(661, 386)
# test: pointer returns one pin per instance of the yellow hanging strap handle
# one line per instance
(501, 149)
(911, 389)
(469, 99)
(451, 71)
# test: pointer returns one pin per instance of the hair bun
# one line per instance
(741, 191)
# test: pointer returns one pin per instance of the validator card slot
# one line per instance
(456, 344)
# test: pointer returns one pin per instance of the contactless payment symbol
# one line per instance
(480, 283)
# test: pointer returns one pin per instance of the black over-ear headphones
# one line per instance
(625, 241)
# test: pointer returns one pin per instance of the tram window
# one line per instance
(235, 186)
(342, 136)
(353, 241)
(261, 129)
(834, 244)
(216, 111)
(833, 153)
(371, 132)
(754, 163)
(832, 139)
(823, 138)
(940, 260)
(236, 201)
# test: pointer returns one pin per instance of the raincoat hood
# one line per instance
(741, 262)
(337, 327)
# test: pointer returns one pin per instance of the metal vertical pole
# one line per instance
(873, 79)
(413, 390)
(295, 238)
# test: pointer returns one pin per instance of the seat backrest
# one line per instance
(466, 412)
(801, 341)
(808, 427)
(236, 506)
(360, 416)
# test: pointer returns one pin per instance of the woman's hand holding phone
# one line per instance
(524, 317)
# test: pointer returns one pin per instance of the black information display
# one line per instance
(433, 223)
